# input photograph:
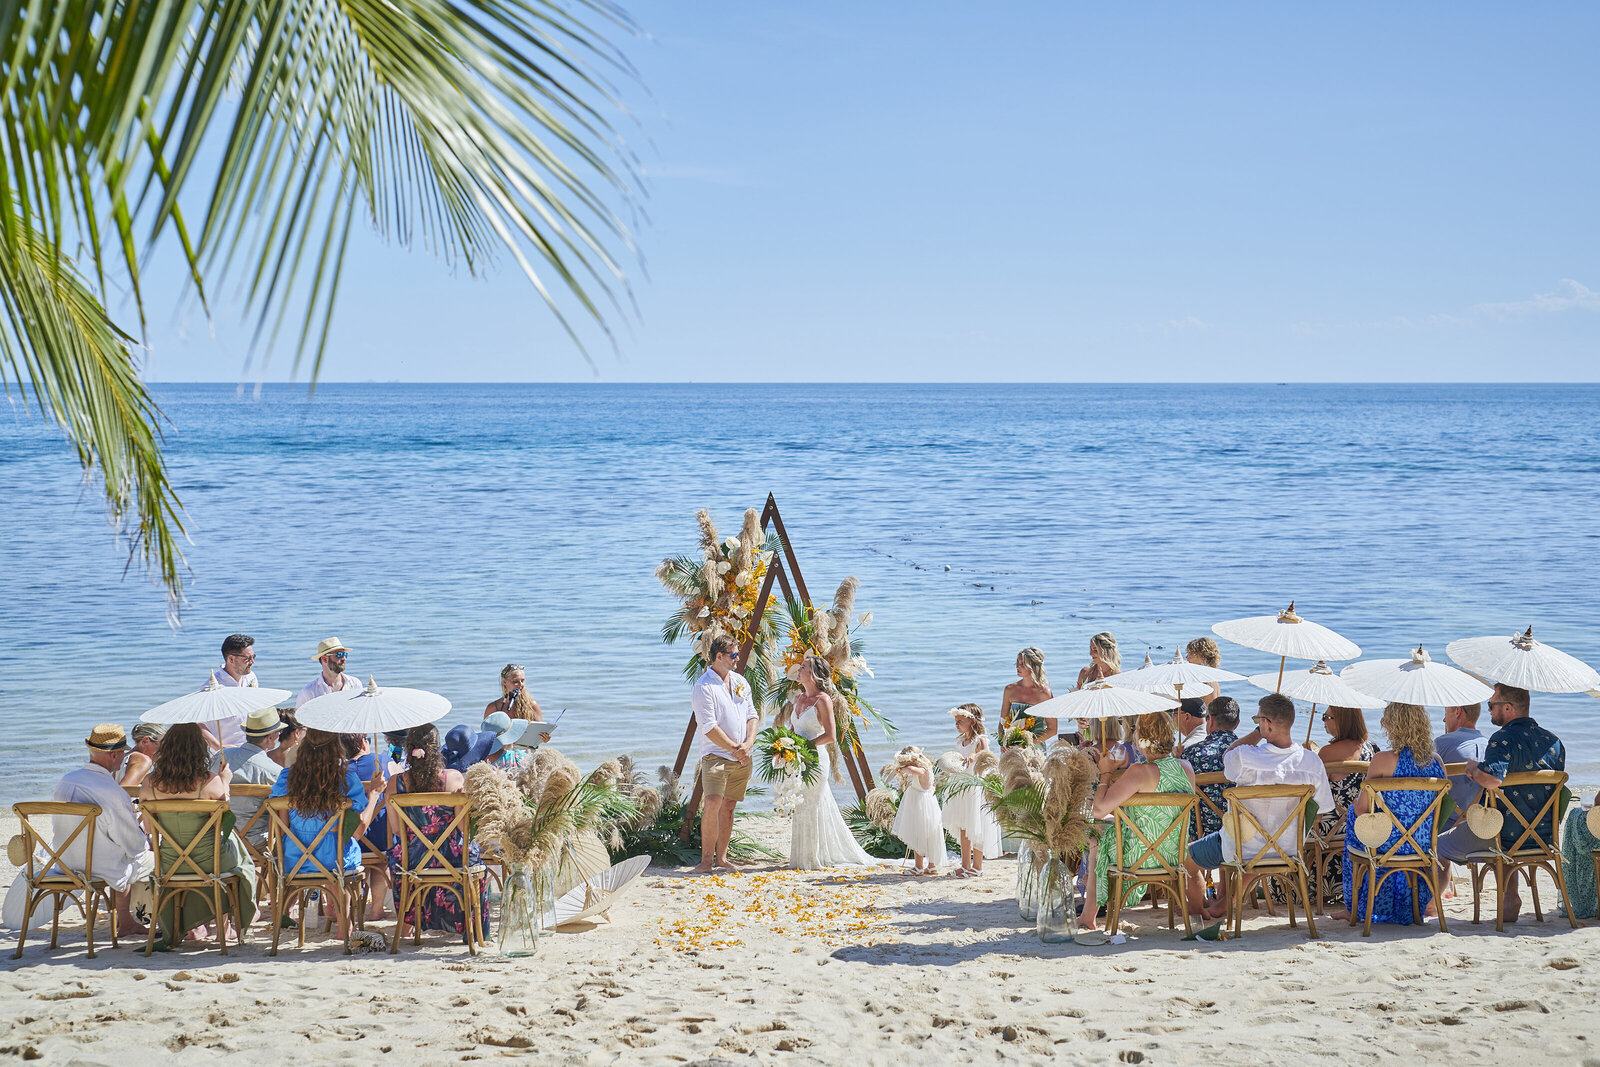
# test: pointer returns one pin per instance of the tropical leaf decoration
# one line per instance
(834, 633)
(781, 753)
(718, 590)
(250, 137)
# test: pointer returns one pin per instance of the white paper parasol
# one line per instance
(1101, 700)
(1525, 663)
(600, 894)
(583, 859)
(1417, 680)
(1319, 685)
(1287, 636)
(215, 702)
(1175, 676)
(372, 710)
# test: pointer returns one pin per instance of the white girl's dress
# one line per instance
(818, 836)
(919, 824)
(967, 811)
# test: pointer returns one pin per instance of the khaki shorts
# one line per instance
(723, 777)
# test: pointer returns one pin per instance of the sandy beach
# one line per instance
(821, 967)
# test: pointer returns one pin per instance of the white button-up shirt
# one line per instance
(230, 731)
(1267, 764)
(715, 703)
(319, 688)
(121, 852)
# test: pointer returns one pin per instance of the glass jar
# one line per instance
(1027, 883)
(1058, 897)
(526, 911)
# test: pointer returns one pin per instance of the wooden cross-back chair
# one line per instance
(434, 869)
(1278, 856)
(1453, 771)
(1206, 804)
(1149, 867)
(291, 882)
(261, 856)
(51, 876)
(1323, 843)
(374, 858)
(1373, 866)
(185, 874)
(1529, 852)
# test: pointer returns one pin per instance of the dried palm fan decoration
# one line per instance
(1038, 798)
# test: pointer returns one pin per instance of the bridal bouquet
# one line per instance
(782, 753)
(1017, 733)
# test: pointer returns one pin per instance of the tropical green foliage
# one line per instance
(662, 839)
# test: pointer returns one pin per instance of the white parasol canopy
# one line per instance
(1319, 685)
(583, 859)
(598, 895)
(215, 702)
(1287, 635)
(1418, 680)
(1525, 663)
(372, 710)
(1175, 676)
(1101, 700)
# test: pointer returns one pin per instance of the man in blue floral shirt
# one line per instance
(1519, 745)
(1205, 756)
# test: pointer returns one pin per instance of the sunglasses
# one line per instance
(339, 655)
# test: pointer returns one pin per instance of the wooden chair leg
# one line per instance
(93, 913)
(1305, 898)
(1566, 898)
(1416, 895)
(1499, 896)
(1531, 874)
(55, 922)
(1183, 900)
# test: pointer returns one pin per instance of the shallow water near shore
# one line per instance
(443, 530)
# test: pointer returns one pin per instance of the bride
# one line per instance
(819, 836)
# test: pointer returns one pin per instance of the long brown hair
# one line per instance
(1347, 724)
(182, 762)
(316, 779)
(426, 771)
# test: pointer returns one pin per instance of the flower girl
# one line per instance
(965, 812)
(917, 821)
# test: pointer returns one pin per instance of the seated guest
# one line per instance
(507, 732)
(1519, 745)
(1161, 773)
(463, 747)
(1267, 755)
(252, 764)
(183, 771)
(358, 750)
(1410, 755)
(1347, 743)
(1459, 743)
(121, 854)
(426, 773)
(1203, 652)
(290, 734)
(146, 737)
(1205, 757)
(1105, 739)
(332, 654)
(1577, 866)
(1191, 722)
(320, 778)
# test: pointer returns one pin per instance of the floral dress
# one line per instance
(1152, 822)
(1330, 824)
(1394, 896)
(440, 908)
(1577, 846)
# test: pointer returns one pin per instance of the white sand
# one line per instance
(940, 966)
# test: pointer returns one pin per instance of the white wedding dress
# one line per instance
(818, 836)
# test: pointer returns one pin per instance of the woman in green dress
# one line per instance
(1030, 688)
(182, 770)
(1153, 735)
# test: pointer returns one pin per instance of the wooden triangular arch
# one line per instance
(854, 761)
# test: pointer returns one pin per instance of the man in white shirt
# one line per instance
(1191, 723)
(122, 856)
(723, 711)
(238, 657)
(1267, 755)
(332, 654)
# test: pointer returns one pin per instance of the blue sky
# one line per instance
(1053, 192)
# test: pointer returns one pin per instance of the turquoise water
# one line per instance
(443, 530)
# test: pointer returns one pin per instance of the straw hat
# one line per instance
(262, 723)
(331, 644)
(107, 737)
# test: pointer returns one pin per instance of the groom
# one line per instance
(722, 711)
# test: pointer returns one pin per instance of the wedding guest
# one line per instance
(252, 764)
(426, 773)
(514, 699)
(464, 746)
(917, 820)
(1104, 659)
(1103, 738)
(1410, 755)
(319, 779)
(290, 734)
(1191, 722)
(1267, 755)
(1520, 744)
(1459, 743)
(238, 657)
(965, 814)
(1030, 688)
(1203, 652)
(725, 764)
(122, 856)
(146, 739)
(375, 841)
(1347, 743)
(183, 771)
(1577, 863)
(506, 731)
(1205, 757)
(1161, 773)
(333, 655)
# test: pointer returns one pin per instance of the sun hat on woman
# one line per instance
(507, 731)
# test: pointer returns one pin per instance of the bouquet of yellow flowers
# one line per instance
(782, 753)
(1019, 732)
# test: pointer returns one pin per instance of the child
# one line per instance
(965, 813)
(917, 821)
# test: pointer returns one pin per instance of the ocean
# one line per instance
(444, 530)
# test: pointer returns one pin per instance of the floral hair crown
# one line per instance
(962, 713)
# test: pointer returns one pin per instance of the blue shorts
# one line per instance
(1207, 851)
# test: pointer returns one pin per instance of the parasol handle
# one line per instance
(1310, 720)
(1281, 661)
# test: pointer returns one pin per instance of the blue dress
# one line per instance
(1394, 896)
(303, 829)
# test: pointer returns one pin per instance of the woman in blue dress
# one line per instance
(1410, 755)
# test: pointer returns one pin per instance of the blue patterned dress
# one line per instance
(1394, 896)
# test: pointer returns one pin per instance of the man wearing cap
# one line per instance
(238, 657)
(122, 856)
(331, 653)
(252, 764)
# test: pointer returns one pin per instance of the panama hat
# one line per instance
(331, 644)
(107, 737)
(262, 722)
